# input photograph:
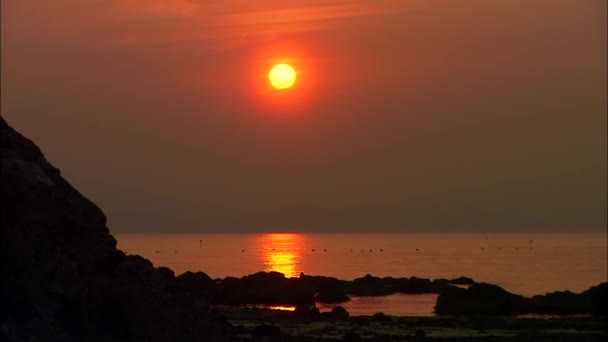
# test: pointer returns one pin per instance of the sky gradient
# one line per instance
(407, 115)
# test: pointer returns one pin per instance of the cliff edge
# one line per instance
(63, 278)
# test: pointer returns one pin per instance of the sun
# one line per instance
(282, 76)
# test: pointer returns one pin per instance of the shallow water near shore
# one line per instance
(522, 263)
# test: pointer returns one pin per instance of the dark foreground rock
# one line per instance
(63, 278)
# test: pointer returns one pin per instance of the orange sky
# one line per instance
(406, 115)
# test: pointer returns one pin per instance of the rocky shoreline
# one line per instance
(456, 296)
(64, 280)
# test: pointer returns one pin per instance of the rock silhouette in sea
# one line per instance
(482, 299)
(339, 313)
(487, 299)
(63, 278)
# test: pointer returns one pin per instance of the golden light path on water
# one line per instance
(281, 252)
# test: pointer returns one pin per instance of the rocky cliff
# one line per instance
(63, 278)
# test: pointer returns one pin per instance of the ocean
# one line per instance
(522, 263)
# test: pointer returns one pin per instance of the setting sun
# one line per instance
(282, 76)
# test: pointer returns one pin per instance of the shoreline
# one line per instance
(337, 325)
(460, 295)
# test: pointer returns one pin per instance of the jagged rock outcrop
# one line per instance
(63, 278)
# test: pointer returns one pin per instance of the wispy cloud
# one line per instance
(157, 8)
(290, 15)
(228, 22)
(219, 24)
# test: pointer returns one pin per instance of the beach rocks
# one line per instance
(263, 288)
(339, 313)
(561, 302)
(482, 299)
(267, 332)
(597, 296)
(462, 281)
(591, 301)
(370, 286)
(420, 334)
(273, 288)
(351, 337)
(194, 283)
(414, 285)
(380, 317)
(486, 299)
(63, 278)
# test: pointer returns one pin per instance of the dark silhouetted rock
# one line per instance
(339, 313)
(63, 278)
(462, 281)
(369, 286)
(331, 297)
(306, 311)
(481, 298)
(267, 333)
(486, 299)
(360, 320)
(420, 334)
(194, 283)
(166, 273)
(597, 296)
(561, 302)
(351, 337)
(413, 285)
(381, 318)
(263, 288)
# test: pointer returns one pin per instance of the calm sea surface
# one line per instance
(523, 263)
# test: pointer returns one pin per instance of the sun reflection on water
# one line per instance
(283, 308)
(281, 252)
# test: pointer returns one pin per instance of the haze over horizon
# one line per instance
(405, 116)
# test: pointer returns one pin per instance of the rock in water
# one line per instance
(63, 278)
(480, 299)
